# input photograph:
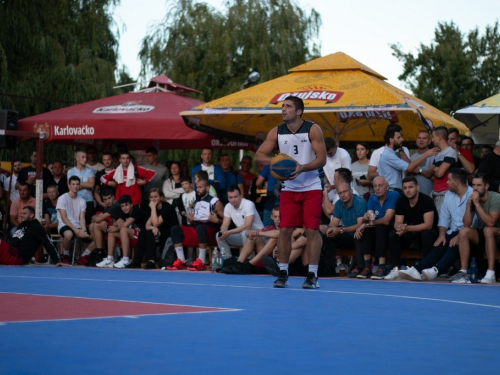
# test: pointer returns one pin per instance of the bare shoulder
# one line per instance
(316, 131)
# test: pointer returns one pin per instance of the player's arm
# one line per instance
(318, 145)
(261, 156)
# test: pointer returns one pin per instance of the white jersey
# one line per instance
(298, 146)
(203, 209)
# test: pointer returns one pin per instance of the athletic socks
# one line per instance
(180, 253)
(314, 269)
(283, 266)
(111, 257)
(86, 252)
(202, 254)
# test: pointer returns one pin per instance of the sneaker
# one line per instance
(430, 273)
(122, 263)
(488, 280)
(282, 280)
(410, 274)
(106, 263)
(45, 259)
(149, 266)
(459, 275)
(380, 274)
(83, 260)
(197, 265)
(365, 273)
(133, 265)
(65, 259)
(177, 265)
(393, 275)
(311, 281)
(465, 279)
(271, 265)
(354, 273)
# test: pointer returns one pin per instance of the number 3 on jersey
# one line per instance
(295, 150)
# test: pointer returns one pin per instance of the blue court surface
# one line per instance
(345, 327)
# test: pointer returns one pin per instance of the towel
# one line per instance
(118, 177)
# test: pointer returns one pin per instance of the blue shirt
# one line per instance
(86, 194)
(391, 167)
(451, 214)
(389, 203)
(349, 216)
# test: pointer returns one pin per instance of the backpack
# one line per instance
(168, 255)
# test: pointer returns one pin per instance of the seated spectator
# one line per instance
(349, 210)
(26, 241)
(25, 199)
(161, 218)
(107, 161)
(382, 204)
(204, 222)
(128, 178)
(50, 222)
(246, 175)
(330, 195)
(172, 187)
(232, 178)
(184, 205)
(133, 220)
(271, 199)
(486, 205)
(71, 216)
(243, 214)
(202, 175)
(445, 251)
(415, 224)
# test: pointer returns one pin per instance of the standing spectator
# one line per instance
(336, 158)
(424, 183)
(246, 175)
(172, 187)
(360, 170)
(443, 161)
(486, 149)
(445, 252)
(184, 167)
(468, 144)
(162, 173)
(128, 179)
(464, 156)
(107, 161)
(232, 178)
(59, 178)
(490, 166)
(71, 216)
(92, 159)
(87, 182)
(9, 186)
(25, 199)
(28, 175)
(216, 177)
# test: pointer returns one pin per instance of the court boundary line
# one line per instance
(260, 287)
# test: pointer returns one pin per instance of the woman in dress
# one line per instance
(172, 185)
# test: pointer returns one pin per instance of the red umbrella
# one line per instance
(140, 119)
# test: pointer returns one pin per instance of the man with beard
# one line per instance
(415, 224)
(422, 143)
(29, 236)
(445, 251)
(59, 178)
(486, 205)
(205, 223)
(393, 163)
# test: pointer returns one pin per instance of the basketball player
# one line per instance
(301, 196)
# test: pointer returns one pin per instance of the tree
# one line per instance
(214, 52)
(456, 70)
(55, 54)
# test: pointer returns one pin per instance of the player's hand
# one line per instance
(297, 171)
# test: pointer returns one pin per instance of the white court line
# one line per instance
(262, 287)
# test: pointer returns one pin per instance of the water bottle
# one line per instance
(215, 260)
(222, 259)
(473, 271)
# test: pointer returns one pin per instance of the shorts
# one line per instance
(64, 229)
(133, 240)
(9, 255)
(301, 209)
(191, 236)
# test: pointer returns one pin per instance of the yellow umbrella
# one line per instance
(348, 100)
(483, 119)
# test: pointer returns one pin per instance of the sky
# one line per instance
(363, 29)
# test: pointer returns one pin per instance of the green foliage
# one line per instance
(57, 51)
(455, 70)
(214, 52)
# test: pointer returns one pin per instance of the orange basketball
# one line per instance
(282, 166)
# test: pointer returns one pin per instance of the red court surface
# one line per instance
(28, 308)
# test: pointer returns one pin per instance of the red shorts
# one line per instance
(9, 255)
(133, 240)
(301, 209)
(191, 237)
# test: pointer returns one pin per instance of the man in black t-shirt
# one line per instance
(126, 228)
(28, 175)
(107, 161)
(415, 224)
(490, 165)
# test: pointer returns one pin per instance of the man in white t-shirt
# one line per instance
(336, 158)
(244, 215)
(71, 216)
